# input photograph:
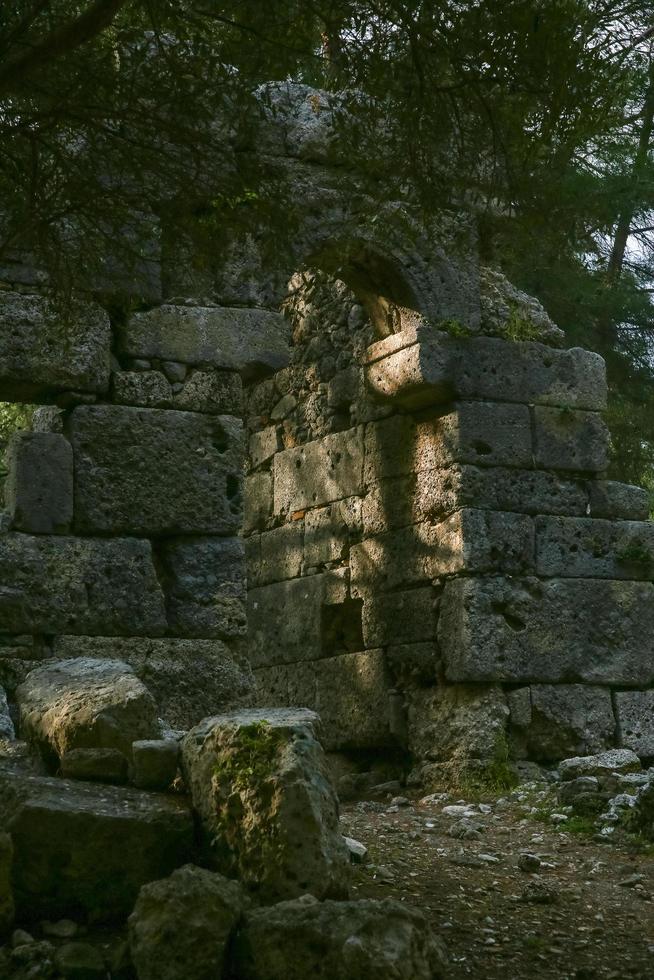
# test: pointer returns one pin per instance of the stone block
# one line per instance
(389, 504)
(635, 714)
(399, 617)
(252, 341)
(330, 530)
(95, 765)
(151, 471)
(39, 486)
(416, 375)
(226, 760)
(319, 472)
(281, 553)
(456, 724)
(149, 389)
(552, 631)
(85, 850)
(264, 445)
(470, 540)
(44, 350)
(257, 501)
(564, 719)
(481, 433)
(593, 548)
(55, 584)
(205, 586)
(48, 418)
(213, 392)
(601, 766)
(155, 762)
(620, 501)
(189, 679)
(570, 440)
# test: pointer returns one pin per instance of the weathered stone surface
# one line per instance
(49, 418)
(617, 500)
(635, 716)
(419, 374)
(152, 471)
(319, 472)
(506, 309)
(263, 446)
(328, 531)
(259, 781)
(187, 678)
(494, 629)
(6, 890)
(80, 961)
(181, 926)
(154, 762)
(44, 351)
(349, 692)
(284, 621)
(399, 617)
(6, 724)
(570, 440)
(248, 340)
(470, 540)
(340, 940)
(564, 719)
(150, 389)
(281, 554)
(65, 584)
(95, 765)
(86, 849)
(85, 704)
(205, 586)
(593, 548)
(257, 501)
(39, 486)
(601, 765)
(214, 392)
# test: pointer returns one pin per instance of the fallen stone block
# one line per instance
(56, 584)
(39, 486)
(86, 849)
(154, 763)
(593, 548)
(85, 704)
(259, 782)
(340, 940)
(635, 716)
(44, 350)
(602, 765)
(95, 765)
(182, 926)
(564, 719)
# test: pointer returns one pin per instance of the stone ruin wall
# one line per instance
(435, 560)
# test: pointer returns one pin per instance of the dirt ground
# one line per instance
(586, 911)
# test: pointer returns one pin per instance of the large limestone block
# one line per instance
(151, 471)
(470, 540)
(181, 926)
(205, 586)
(561, 720)
(189, 679)
(259, 782)
(294, 940)
(635, 716)
(421, 366)
(607, 498)
(588, 548)
(480, 433)
(349, 692)
(248, 340)
(84, 703)
(319, 472)
(570, 440)
(85, 850)
(39, 486)
(553, 631)
(78, 585)
(43, 350)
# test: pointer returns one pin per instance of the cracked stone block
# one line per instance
(58, 584)
(39, 486)
(595, 631)
(635, 711)
(44, 350)
(252, 341)
(205, 586)
(570, 440)
(594, 548)
(561, 720)
(319, 472)
(152, 471)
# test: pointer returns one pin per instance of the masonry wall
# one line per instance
(436, 562)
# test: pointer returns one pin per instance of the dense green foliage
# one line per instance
(536, 113)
